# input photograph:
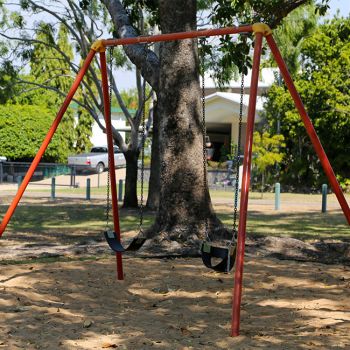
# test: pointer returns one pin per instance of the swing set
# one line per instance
(113, 237)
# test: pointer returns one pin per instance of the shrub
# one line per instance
(22, 130)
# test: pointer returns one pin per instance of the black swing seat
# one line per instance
(115, 244)
(227, 254)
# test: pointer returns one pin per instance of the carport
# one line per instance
(222, 118)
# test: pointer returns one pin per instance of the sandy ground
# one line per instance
(173, 304)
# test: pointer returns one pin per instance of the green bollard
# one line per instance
(120, 190)
(88, 189)
(53, 188)
(277, 196)
(324, 198)
(19, 180)
(1, 172)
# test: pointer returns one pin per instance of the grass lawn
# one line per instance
(214, 193)
(88, 217)
(304, 226)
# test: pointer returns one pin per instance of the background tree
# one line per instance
(291, 33)
(323, 85)
(44, 69)
(184, 199)
(83, 26)
(267, 150)
(22, 128)
(83, 131)
(226, 58)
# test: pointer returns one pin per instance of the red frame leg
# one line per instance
(107, 115)
(237, 291)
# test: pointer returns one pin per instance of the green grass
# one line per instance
(215, 194)
(78, 219)
(102, 190)
(66, 216)
(69, 217)
(304, 226)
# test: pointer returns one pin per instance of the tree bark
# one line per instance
(154, 185)
(147, 62)
(130, 195)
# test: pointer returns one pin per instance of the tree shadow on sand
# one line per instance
(173, 304)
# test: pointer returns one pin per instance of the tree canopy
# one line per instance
(41, 34)
(323, 85)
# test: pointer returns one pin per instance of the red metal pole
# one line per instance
(46, 142)
(178, 36)
(243, 209)
(107, 108)
(309, 127)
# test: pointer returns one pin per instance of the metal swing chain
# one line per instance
(238, 157)
(108, 206)
(143, 133)
(204, 131)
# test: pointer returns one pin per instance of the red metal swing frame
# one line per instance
(260, 30)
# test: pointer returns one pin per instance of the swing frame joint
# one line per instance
(262, 28)
(98, 46)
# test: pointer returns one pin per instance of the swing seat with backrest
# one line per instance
(226, 254)
(209, 250)
(112, 238)
(115, 244)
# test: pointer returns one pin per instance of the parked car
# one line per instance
(96, 160)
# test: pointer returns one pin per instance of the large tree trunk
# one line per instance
(130, 196)
(185, 202)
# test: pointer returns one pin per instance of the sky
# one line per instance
(126, 79)
(342, 5)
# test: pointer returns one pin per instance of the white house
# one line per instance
(222, 109)
(98, 137)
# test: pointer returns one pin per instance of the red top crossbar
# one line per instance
(177, 36)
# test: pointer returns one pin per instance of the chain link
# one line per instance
(238, 157)
(108, 205)
(143, 140)
(204, 131)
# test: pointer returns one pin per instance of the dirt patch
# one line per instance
(173, 304)
(286, 248)
(83, 244)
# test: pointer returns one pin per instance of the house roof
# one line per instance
(114, 109)
(223, 107)
(266, 79)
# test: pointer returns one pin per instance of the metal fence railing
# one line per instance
(217, 179)
(12, 172)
